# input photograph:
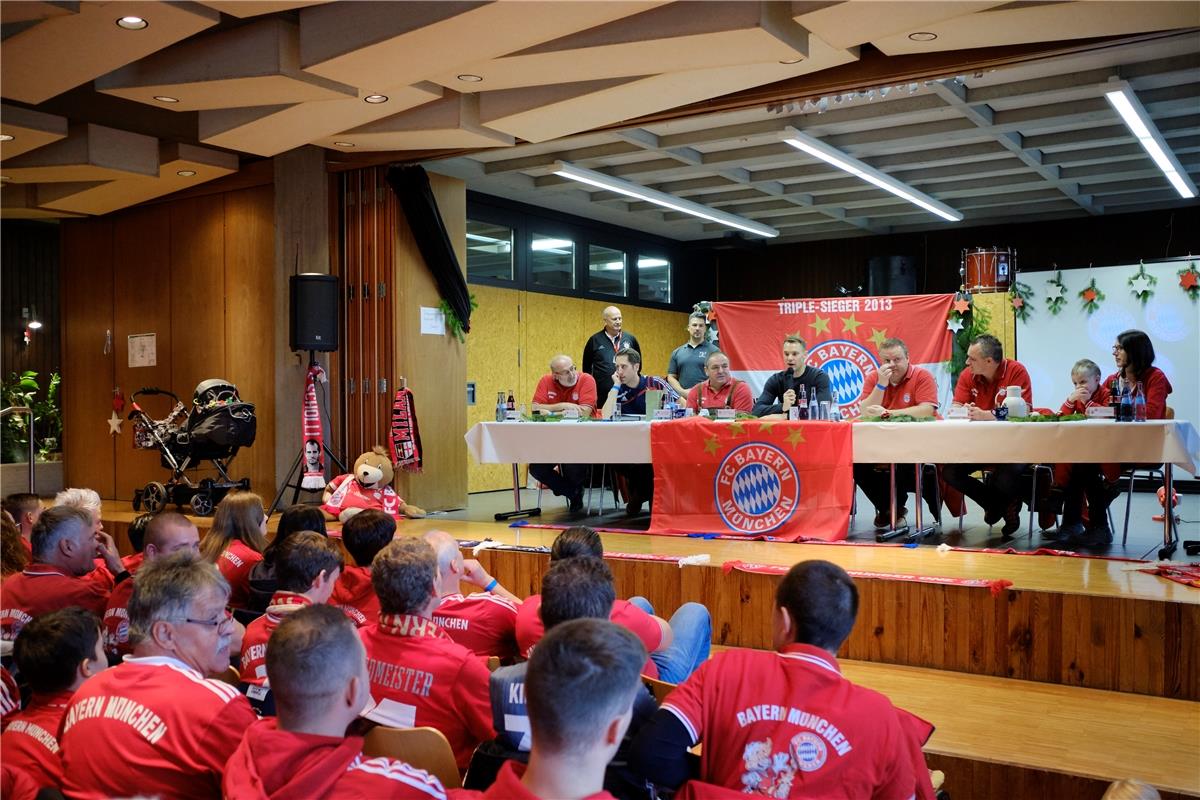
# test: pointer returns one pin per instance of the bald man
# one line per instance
(564, 391)
(600, 352)
(483, 622)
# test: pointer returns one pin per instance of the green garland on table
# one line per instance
(1049, 418)
(896, 418)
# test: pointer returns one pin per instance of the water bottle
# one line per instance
(1139, 404)
(501, 407)
(802, 403)
(1126, 404)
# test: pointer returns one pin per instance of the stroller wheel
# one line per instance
(202, 504)
(154, 497)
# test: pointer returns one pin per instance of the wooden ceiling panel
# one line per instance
(20, 202)
(539, 114)
(1038, 22)
(355, 43)
(679, 37)
(252, 65)
(29, 129)
(60, 53)
(449, 123)
(847, 24)
(34, 10)
(205, 165)
(88, 153)
(270, 130)
(254, 8)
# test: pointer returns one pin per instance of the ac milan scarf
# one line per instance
(406, 436)
(310, 424)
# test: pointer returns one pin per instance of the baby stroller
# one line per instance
(213, 429)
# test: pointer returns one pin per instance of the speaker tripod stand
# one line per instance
(292, 473)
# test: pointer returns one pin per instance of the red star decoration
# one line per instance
(962, 306)
(1017, 302)
(1089, 295)
(1188, 279)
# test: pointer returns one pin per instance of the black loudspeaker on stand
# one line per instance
(314, 312)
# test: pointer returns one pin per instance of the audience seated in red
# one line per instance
(419, 675)
(236, 542)
(55, 653)
(798, 728)
(318, 674)
(155, 724)
(166, 533)
(24, 508)
(363, 535)
(579, 687)
(483, 622)
(65, 547)
(306, 568)
(263, 581)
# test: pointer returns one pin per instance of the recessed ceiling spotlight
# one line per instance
(343, 144)
(132, 23)
(162, 98)
(186, 173)
(922, 36)
(796, 60)
(375, 98)
(470, 78)
(5, 137)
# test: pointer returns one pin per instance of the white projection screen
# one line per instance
(1049, 344)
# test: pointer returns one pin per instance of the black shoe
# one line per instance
(1099, 536)
(633, 509)
(1068, 530)
(993, 515)
(1012, 521)
(576, 501)
(883, 519)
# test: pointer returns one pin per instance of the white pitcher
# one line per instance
(1014, 402)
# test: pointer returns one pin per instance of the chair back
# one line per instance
(1170, 413)
(230, 676)
(660, 689)
(423, 748)
(493, 663)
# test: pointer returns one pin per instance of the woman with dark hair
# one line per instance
(14, 552)
(293, 520)
(1133, 354)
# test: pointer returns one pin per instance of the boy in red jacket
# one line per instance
(318, 671)
(364, 535)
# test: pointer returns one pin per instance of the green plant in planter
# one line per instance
(22, 390)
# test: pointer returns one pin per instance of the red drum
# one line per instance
(988, 270)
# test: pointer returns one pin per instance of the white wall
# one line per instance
(1048, 345)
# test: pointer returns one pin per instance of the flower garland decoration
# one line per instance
(1056, 293)
(1019, 294)
(1189, 281)
(1092, 297)
(1141, 282)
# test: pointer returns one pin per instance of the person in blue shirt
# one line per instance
(630, 391)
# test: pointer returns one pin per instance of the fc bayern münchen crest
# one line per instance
(756, 488)
(846, 363)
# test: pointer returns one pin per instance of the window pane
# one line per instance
(552, 261)
(654, 279)
(489, 251)
(606, 270)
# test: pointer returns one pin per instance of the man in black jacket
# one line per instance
(600, 352)
(779, 393)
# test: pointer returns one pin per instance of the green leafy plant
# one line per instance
(22, 390)
(452, 321)
(975, 323)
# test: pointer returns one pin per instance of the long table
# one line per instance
(1173, 443)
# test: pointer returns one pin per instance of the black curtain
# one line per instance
(411, 185)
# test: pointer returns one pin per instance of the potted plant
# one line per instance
(22, 390)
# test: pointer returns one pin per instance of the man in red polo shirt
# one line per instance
(167, 533)
(65, 549)
(483, 622)
(55, 653)
(720, 389)
(898, 387)
(987, 374)
(154, 725)
(363, 535)
(318, 673)
(306, 568)
(797, 728)
(419, 675)
(564, 391)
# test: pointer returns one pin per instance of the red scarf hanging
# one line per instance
(406, 435)
(310, 424)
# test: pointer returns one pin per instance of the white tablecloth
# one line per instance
(943, 442)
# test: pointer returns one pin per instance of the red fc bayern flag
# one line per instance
(843, 336)
(753, 479)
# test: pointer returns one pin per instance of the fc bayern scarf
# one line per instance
(310, 424)
(406, 436)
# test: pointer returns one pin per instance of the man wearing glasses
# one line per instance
(564, 391)
(157, 726)
(898, 387)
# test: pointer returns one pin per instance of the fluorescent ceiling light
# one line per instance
(1146, 132)
(602, 181)
(653, 262)
(859, 169)
(550, 244)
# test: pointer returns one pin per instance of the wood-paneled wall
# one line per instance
(29, 252)
(196, 272)
(515, 334)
